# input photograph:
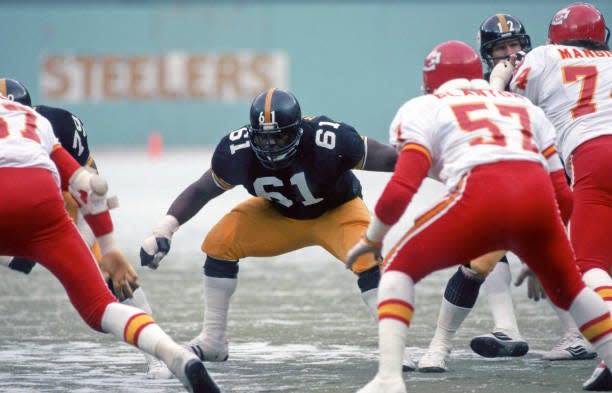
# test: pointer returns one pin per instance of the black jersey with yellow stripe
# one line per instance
(318, 179)
(69, 130)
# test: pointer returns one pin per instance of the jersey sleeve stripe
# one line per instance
(420, 148)
(222, 184)
(549, 151)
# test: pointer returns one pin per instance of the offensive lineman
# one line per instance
(299, 171)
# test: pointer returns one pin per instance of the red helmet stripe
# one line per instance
(268, 106)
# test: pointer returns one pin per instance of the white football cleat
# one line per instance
(208, 351)
(378, 385)
(434, 360)
(408, 363)
(573, 346)
(499, 343)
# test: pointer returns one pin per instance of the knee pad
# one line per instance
(220, 269)
(463, 287)
(369, 279)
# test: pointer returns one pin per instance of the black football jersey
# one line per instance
(69, 130)
(318, 179)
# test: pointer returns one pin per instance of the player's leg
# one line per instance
(440, 237)
(505, 338)
(591, 224)
(252, 228)
(337, 231)
(47, 234)
(459, 297)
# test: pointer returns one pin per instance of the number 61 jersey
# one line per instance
(574, 88)
(461, 128)
(318, 179)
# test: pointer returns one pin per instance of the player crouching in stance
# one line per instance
(474, 139)
(35, 225)
(304, 193)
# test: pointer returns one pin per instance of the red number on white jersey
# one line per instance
(462, 114)
(588, 82)
(29, 128)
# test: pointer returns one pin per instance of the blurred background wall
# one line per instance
(189, 69)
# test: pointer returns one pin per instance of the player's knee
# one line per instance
(220, 268)
(369, 279)
(463, 287)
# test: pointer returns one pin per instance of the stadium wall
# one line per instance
(188, 69)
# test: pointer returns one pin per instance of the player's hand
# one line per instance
(534, 288)
(121, 273)
(362, 247)
(153, 250)
(155, 247)
(501, 75)
(90, 192)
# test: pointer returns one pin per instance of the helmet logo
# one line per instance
(432, 60)
(560, 17)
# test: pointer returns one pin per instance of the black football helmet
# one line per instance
(501, 27)
(276, 128)
(15, 91)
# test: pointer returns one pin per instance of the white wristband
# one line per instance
(167, 226)
(107, 243)
(377, 230)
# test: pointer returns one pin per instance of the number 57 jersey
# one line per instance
(466, 127)
(574, 88)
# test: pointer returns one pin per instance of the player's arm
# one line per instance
(412, 166)
(185, 206)
(378, 156)
(89, 190)
(563, 193)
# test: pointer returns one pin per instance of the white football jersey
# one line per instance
(463, 128)
(573, 86)
(26, 138)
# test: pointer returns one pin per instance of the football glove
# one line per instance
(155, 247)
(90, 192)
(362, 247)
(534, 288)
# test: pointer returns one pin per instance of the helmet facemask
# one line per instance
(275, 146)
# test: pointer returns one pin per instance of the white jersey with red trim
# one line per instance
(462, 128)
(26, 138)
(573, 86)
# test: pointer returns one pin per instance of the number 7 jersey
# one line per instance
(573, 86)
(463, 128)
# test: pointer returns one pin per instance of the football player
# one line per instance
(121, 277)
(571, 80)
(474, 139)
(299, 172)
(35, 224)
(500, 36)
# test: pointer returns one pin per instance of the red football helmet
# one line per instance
(450, 60)
(578, 21)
